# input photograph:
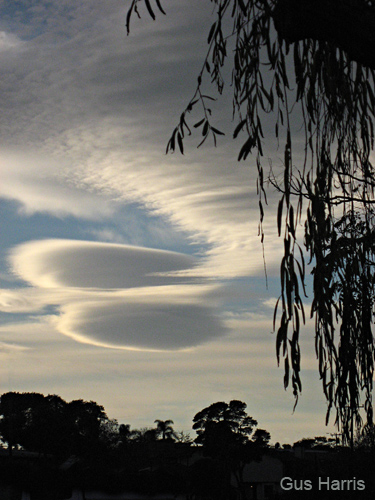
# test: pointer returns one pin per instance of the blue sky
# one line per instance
(129, 277)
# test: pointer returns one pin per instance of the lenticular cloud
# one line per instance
(119, 296)
(87, 264)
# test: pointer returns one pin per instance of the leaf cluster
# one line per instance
(134, 9)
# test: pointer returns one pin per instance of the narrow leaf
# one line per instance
(160, 7)
(211, 33)
(217, 131)
(291, 220)
(205, 128)
(149, 8)
(198, 124)
(286, 373)
(239, 128)
(279, 214)
(180, 143)
(150, 11)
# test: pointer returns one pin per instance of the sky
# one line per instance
(131, 277)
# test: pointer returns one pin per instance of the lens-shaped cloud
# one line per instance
(140, 325)
(86, 264)
(119, 296)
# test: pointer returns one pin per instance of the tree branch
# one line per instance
(349, 24)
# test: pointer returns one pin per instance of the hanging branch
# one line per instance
(330, 46)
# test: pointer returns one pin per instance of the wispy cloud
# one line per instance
(9, 41)
(99, 107)
(86, 114)
(39, 184)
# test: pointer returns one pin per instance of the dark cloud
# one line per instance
(143, 325)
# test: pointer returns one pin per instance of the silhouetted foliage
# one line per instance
(124, 433)
(308, 65)
(115, 459)
(50, 425)
(144, 435)
(318, 443)
(228, 420)
(261, 438)
(33, 421)
(183, 437)
(164, 429)
(227, 434)
(365, 440)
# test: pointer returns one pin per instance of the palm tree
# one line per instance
(165, 429)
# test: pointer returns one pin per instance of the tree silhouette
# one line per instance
(33, 421)
(366, 439)
(307, 65)
(125, 432)
(144, 435)
(164, 429)
(50, 425)
(227, 434)
(230, 420)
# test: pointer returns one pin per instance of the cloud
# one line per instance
(86, 115)
(12, 301)
(39, 183)
(142, 325)
(9, 41)
(137, 386)
(86, 264)
(99, 106)
(116, 295)
(96, 107)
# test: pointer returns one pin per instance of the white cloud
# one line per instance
(39, 184)
(97, 116)
(87, 264)
(24, 301)
(9, 41)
